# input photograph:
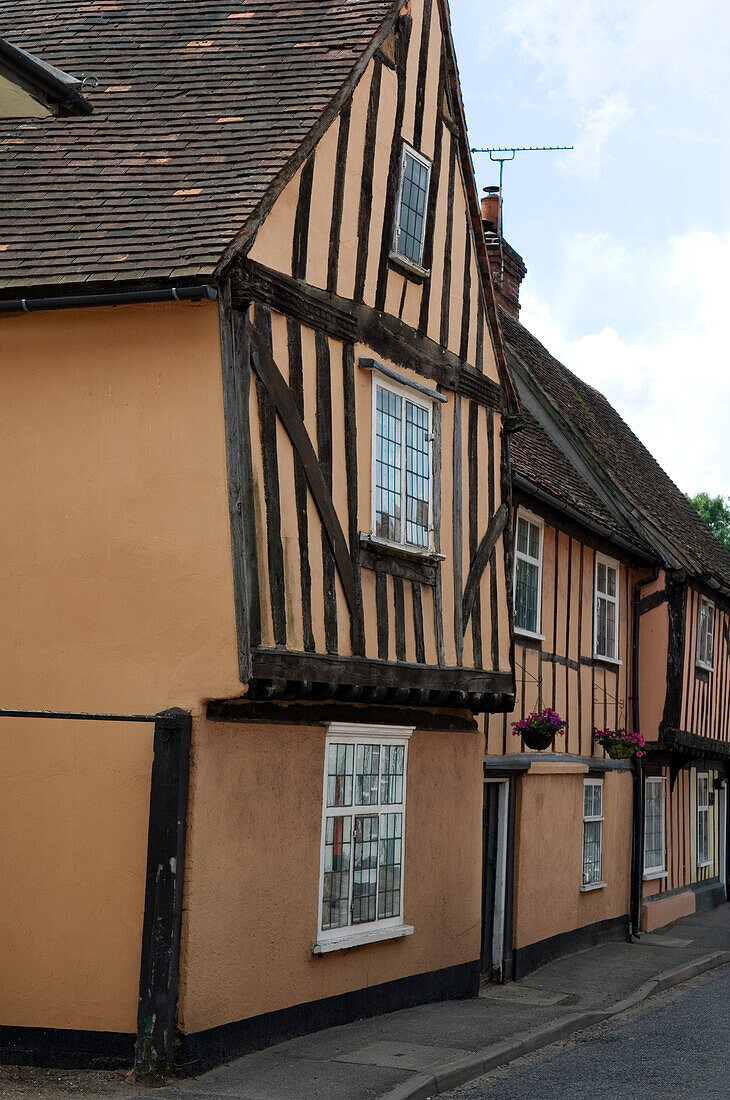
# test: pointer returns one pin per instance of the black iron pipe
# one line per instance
(76, 716)
(110, 298)
(637, 837)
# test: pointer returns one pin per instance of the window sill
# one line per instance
(585, 889)
(408, 267)
(522, 633)
(705, 863)
(607, 660)
(705, 668)
(420, 553)
(651, 876)
(358, 939)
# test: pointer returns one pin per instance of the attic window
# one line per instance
(410, 227)
(705, 634)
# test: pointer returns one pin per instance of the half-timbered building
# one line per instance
(255, 415)
(620, 622)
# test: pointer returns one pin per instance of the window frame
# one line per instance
(420, 400)
(611, 563)
(660, 869)
(538, 522)
(402, 257)
(700, 660)
(704, 809)
(599, 883)
(352, 935)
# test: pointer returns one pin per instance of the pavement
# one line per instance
(675, 1045)
(431, 1049)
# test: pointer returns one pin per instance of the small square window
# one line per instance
(410, 226)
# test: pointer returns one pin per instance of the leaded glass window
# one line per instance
(704, 851)
(528, 568)
(606, 609)
(362, 834)
(592, 831)
(402, 489)
(705, 633)
(410, 230)
(654, 826)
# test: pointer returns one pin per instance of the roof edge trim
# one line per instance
(57, 86)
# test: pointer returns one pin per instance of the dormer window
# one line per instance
(410, 226)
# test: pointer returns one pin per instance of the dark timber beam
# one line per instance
(160, 965)
(265, 366)
(480, 559)
(281, 667)
(353, 322)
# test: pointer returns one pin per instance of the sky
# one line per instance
(627, 238)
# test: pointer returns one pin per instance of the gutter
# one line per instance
(45, 78)
(519, 481)
(110, 298)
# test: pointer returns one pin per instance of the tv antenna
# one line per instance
(502, 155)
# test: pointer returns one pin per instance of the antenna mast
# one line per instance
(501, 155)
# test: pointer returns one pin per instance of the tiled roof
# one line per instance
(536, 458)
(199, 106)
(626, 461)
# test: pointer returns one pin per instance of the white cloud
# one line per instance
(594, 48)
(598, 125)
(673, 389)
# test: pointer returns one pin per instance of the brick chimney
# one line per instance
(507, 266)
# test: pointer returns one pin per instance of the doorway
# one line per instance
(494, 878)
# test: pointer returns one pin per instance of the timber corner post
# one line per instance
(160, 963)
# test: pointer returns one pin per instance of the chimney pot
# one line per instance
(490, 208)
(507, 266)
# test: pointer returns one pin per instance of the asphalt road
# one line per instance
(674, 1045)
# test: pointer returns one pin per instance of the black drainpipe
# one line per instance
(110, 298)
(637, 838)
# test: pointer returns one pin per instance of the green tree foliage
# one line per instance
(715, 511)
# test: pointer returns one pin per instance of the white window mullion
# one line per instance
(655, 826)
(705, 634)
(379, 758)
(592, 834)
(606, 608)
(393, 405)
(527, 580)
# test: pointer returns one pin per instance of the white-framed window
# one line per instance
(704, 835)
(605, 643)
(654, 825)
(592, 832)
(402, 466)
(410, 223)
(705, 633)
(528, 573)
(363, 831)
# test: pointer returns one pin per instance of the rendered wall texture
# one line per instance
(549, 854)
(252, 876)
(116, 591)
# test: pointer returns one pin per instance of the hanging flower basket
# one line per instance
(538, 730)
(619, 744)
